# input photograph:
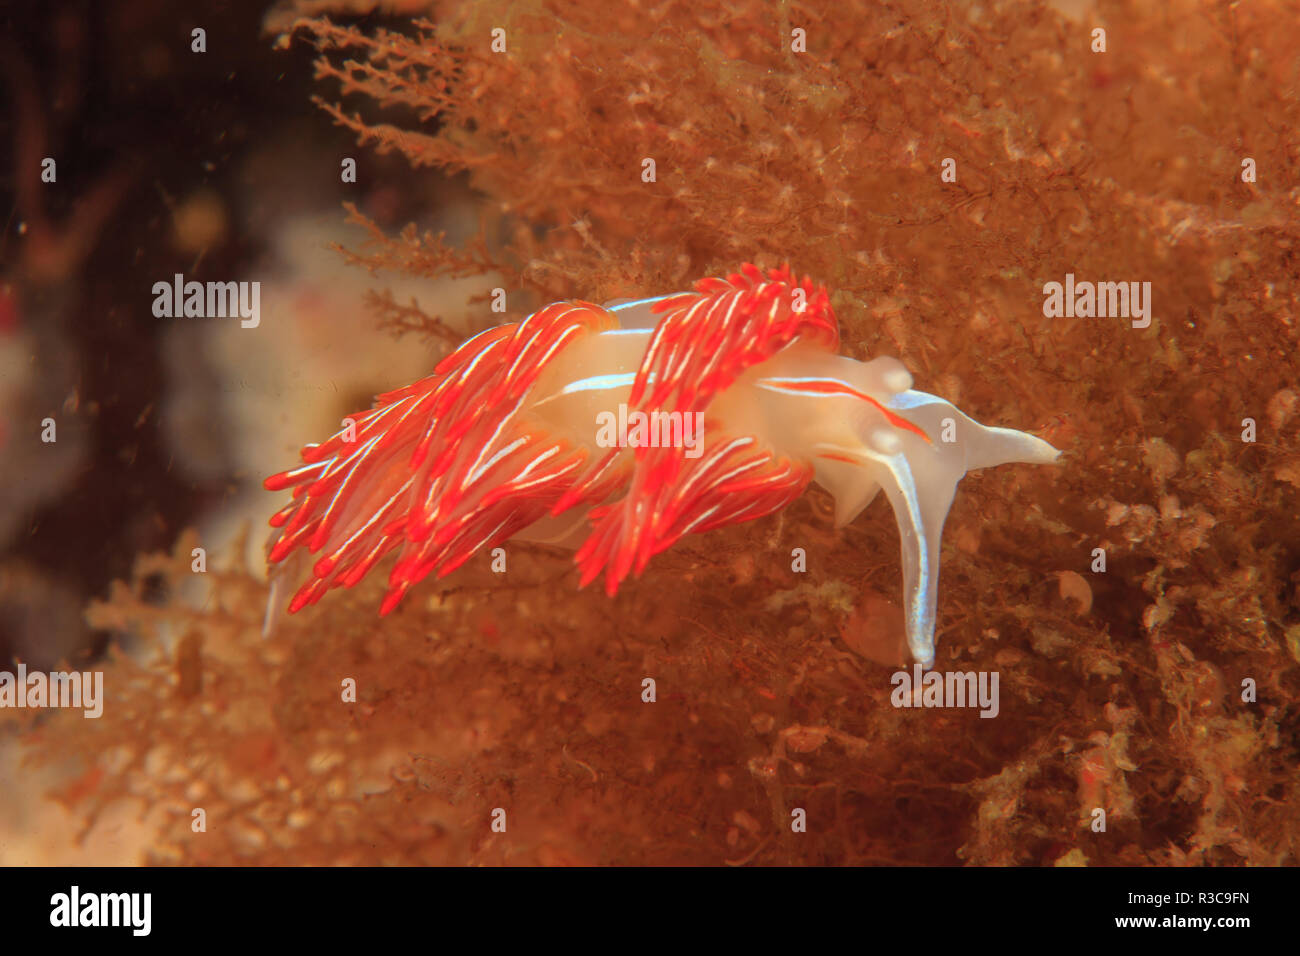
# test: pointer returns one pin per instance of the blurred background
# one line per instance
(213, 165)
(168, 161)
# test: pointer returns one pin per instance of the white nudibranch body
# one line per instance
(805, 404)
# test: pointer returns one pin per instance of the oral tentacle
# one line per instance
(920, 515)
(919, 468)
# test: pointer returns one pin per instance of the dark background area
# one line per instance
(137, 122)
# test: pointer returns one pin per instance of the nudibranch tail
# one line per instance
(618, 430)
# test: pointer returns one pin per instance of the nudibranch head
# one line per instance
(617, 430)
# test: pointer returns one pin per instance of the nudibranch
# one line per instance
(510, 437)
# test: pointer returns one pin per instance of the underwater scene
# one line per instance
(736, 433)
